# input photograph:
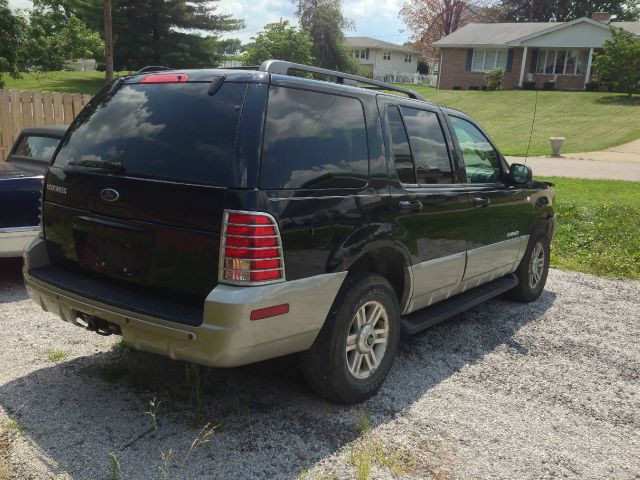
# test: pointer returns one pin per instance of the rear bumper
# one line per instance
(227, 337)
(14, 240)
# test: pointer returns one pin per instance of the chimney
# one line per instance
(603, 17)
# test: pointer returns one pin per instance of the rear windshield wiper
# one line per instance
(101, 164)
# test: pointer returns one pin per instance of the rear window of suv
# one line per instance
(167, 131)
(313, 141)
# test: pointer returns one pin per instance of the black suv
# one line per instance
(229, 216)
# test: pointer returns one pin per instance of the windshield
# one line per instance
(172, 131)
(36, 148)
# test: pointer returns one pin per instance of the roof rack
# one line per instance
(153, 68)
(282, 67)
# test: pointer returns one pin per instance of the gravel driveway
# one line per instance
(547, 390)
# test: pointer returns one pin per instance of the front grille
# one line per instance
(118, 296)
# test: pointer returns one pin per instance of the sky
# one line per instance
(372, 18)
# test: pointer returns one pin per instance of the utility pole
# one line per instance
(108, 41)
(531, 11)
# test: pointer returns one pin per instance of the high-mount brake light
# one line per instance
(165, 78)
(250, 249)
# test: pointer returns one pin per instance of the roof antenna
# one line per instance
(533, 122)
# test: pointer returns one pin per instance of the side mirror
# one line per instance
(520, 174)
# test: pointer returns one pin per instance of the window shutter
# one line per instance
(467, 67)
(367, 54)
(534, 60)
(510, 60)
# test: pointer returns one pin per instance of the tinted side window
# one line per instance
(401, 151)
(169, 130)
(313, 140)
(428, 145)
(481, 161)
(38, 148)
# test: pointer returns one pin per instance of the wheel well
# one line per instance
(387, 263)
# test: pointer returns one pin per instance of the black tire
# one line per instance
(525, 292)
(325, 366)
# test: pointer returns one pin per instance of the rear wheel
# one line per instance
(354, 350)
(532, 271)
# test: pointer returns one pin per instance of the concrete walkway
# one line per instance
(617, 163)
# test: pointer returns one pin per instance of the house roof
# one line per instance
(511, 34)
(633, 27)
(368, 42)
(491, 33)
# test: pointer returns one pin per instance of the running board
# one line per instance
(439, 312)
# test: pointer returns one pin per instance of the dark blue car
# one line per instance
(21, 185)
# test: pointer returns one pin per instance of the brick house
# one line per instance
(560, 51)
(383, 58)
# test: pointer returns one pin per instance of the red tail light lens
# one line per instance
(250, 249)
(165, 78)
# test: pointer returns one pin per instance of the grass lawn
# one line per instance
(598, 227)
(71, 82)
(589, 120)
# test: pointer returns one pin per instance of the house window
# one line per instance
(386, 55)
(407, 58)
(485, 60)
(359, 53)
(562, 62)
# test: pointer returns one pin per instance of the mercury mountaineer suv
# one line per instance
(225, 217)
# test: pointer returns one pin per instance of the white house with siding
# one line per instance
(383, 58)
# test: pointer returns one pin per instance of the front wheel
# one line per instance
(355, 349)
(532, 271)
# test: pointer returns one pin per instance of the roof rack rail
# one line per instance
(153, 68)
(241, 67)
(282, 67)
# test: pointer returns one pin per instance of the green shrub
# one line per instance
(528, 85)
(592, 87)
(494, 79)
(549, 85)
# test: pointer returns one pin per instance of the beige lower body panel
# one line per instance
(440, 279)
(14, 240)
(227, 336)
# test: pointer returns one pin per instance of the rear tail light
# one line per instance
(165, 78)
(250, 249)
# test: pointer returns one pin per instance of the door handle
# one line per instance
(480, 202)
(410, 205)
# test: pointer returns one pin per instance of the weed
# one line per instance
(302, 474)
(359, 459)
(12, 425)
(364, 422)
(203, 437)
(166, 459)
(56, 355)
(400, 462)
(197, 380)
(116, 472)
(152, 409)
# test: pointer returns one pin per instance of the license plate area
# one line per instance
(114, 248)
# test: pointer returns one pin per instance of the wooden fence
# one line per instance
(22, 109)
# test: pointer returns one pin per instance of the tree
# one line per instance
(564, 10)
(431, 20)
(324, 21)
(279, 40)
(11, 32)
(619, 61)
(178, 33)
(53, 39)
